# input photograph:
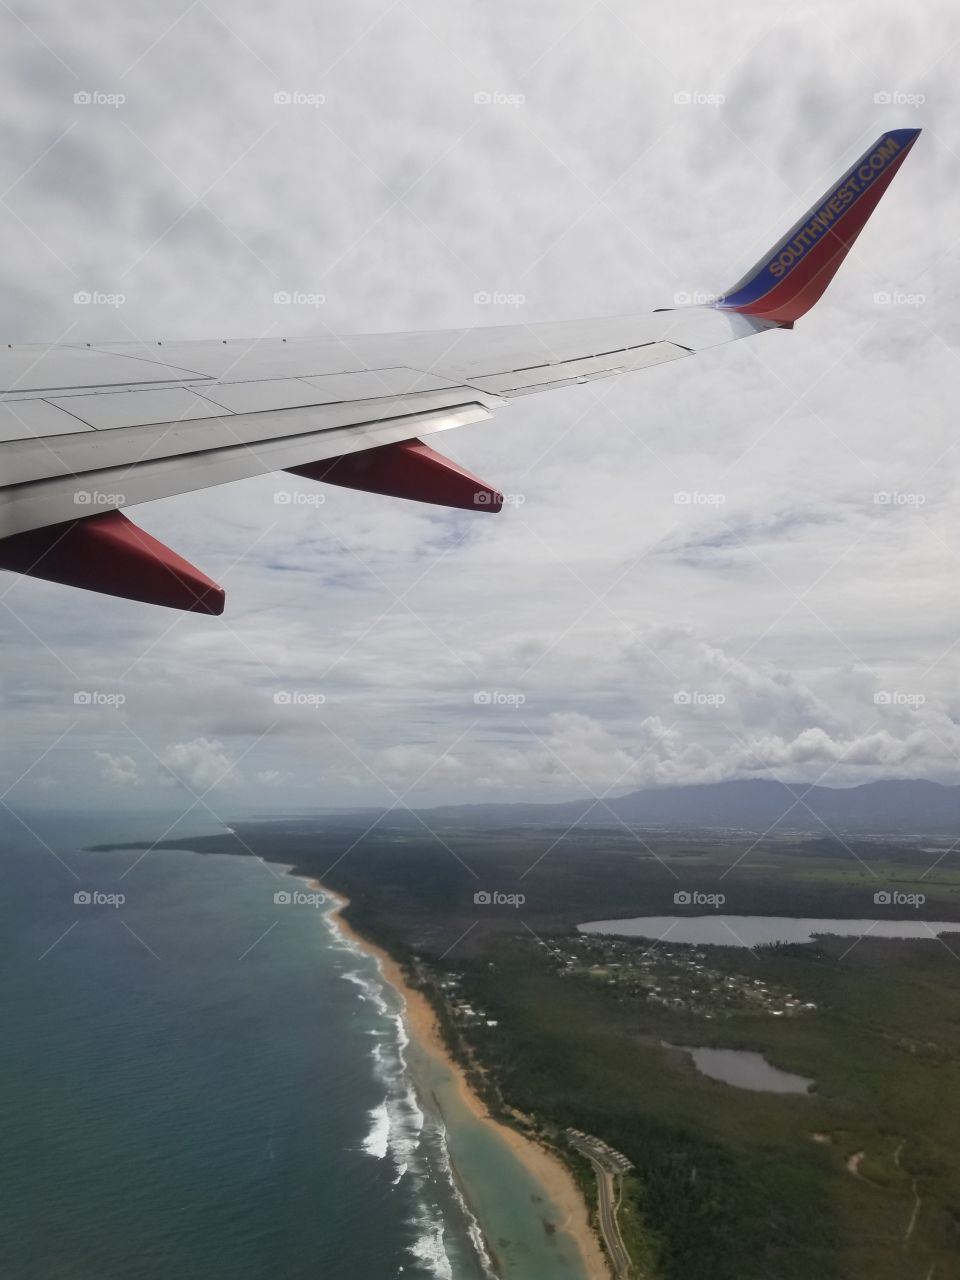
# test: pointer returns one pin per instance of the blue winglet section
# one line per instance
(793, 275)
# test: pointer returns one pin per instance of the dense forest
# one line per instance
(712, 1210)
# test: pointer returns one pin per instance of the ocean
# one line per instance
(199, 1081)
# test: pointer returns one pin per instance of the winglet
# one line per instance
(793, 275)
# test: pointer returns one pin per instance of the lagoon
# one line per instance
(761, 931)
(745, 1070)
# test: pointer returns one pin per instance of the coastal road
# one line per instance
(607, 1187)
(608, 1200)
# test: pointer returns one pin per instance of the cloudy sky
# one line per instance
(793, 627)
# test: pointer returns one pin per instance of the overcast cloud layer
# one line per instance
(796, 618)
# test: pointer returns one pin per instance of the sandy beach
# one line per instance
(548, 1169)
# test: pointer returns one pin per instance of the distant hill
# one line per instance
(896, 806)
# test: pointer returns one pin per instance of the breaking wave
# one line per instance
(400, 1132)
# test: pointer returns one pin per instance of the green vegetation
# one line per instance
(710, 1200)
(644, 1246)
(729, 1181)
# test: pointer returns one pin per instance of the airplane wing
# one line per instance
(88, 429)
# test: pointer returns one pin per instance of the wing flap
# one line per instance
(548, 376)
(33, 419)
(60, 496)
(108, 411)
(26, 460)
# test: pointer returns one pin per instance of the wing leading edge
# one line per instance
(86, 430)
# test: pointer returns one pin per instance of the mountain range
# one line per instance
(895, 806)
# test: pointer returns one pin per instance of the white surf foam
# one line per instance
(371, 990)
(377, 1141)
(473, 1226)
(428, 1249)
(397, 1124)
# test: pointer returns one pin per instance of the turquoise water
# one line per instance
(523, 1228)
(198, 1081)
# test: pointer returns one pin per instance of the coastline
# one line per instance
(544, 1165)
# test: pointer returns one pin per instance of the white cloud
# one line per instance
(118, 771)
(201, 764)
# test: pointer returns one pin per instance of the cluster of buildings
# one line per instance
(463, 1012)
(676, 979)
(612, 1160)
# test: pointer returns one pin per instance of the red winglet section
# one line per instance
(409, 469)
(793, 275)
(108, 553)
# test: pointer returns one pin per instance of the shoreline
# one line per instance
(545, 1166)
